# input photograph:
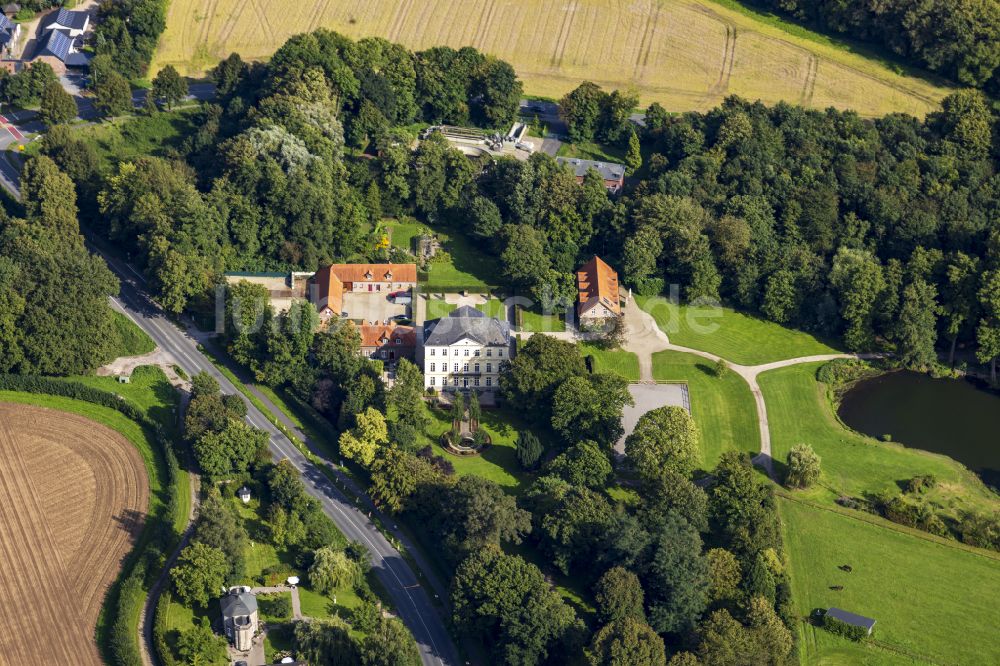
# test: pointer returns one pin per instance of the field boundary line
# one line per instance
(889, 525)
(264, 21)
(483, 26)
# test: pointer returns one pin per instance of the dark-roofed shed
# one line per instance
(852, 619)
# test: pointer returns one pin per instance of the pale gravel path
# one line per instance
(645, 338)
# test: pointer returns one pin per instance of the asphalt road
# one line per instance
(411, 601)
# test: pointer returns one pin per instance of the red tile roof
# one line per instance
(598, 283)
(377, 335)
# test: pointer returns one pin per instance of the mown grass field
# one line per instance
(686, 54)
(722, 407)
(933, 602)
(734, 336)
(617, 361)
(799, 412)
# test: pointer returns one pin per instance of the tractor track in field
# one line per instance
(564, 31)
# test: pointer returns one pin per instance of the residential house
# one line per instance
(70, 22)
(599, 298)
(240, 618)
(60, 51)
(612, 172)
(332, 282)
(388, 342)
(464, 351)
(9, 33)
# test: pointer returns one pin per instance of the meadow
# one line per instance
(736, 337)
(686, 54)
(932, 602)
(853, 464)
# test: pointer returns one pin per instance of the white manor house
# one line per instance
(464, 351)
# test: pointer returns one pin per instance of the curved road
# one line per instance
(411, 601)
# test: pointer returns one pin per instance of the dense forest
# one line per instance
(957, 38)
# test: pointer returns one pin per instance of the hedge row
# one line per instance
(160, 631)
(841, 628)
(125, 601)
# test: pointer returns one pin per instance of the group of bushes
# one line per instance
(126, 598)
(975, 529)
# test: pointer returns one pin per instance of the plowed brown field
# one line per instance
(73, 497)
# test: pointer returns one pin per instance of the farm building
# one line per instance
(331, 282)
(388, 342)
(599, 296)
(612, 172)
(11, 9)
(9, 32)
(239, 617)
(852, 619)
(282, 288)
(69, 22)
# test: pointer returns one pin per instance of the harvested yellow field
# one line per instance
(686, 54)
(73, 497)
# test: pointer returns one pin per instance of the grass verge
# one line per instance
(615, 361)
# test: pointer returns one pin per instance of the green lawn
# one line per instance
(147, 389)
(929, 599)
(722, 407)
(617, 361)
(124, 139)
(437, 308)
(466, 266)
(536, 322)
(494, 308)
(589, 150)
(498, 462)
(130, 339)
(736, 337)
(401, 233)
(799, 412)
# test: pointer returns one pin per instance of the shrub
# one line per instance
(842, 371)
(529, 450)
(841, 628)
(803, 467)
(721, 368)
(275, 605)
(921, 483)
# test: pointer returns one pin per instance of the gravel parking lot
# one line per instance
(372, 307)
(647, 398)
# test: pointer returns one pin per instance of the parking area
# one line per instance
(647, 398)
(372, 308)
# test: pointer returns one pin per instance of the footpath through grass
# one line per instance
(723, 407)
(799, 412)
(736, 337)
(931, 601)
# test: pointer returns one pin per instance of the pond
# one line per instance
(949, 416)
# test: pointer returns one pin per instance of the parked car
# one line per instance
(404, 292)
(402, 300)
(401, 318)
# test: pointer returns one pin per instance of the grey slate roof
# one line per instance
(234, 605)
(607, 170)
(466, 322)
(851, 618)
(7, 29)
(71, 19)
(57, 44)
